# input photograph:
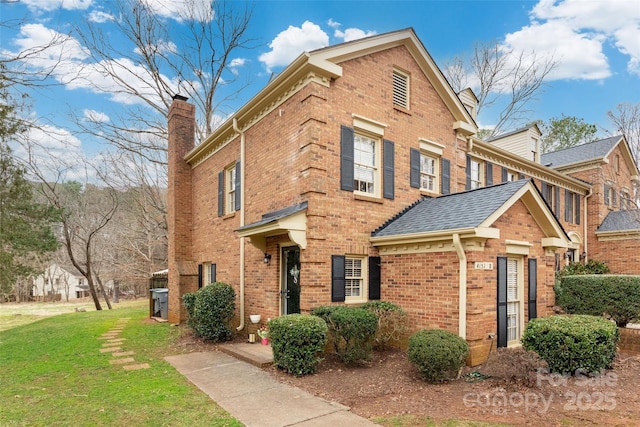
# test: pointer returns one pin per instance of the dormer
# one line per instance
(470, 101)
(524, 142)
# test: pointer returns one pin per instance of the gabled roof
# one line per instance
(456, 211)
(591, 151)
(291, 220)
(628, 220)
(470, 215)
(514, 132)
(322, 66)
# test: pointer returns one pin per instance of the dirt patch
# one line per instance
(389, 386)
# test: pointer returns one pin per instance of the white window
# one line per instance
(355, 279)
(511, 176)
(428, 173)
(514, 301)
(400, 89)
(230, 173)
(365, 163)
(475, 172)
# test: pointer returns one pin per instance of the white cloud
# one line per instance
(49, 5)
(292, 42)
(333, 24)
(575, 31)
(237, 62)
(95, 116)
(100, 17)
(182, 10)
(352, 34)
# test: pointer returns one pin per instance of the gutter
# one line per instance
(242, 203)
(462, 287)
(586, 229)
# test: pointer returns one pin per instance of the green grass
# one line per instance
(52, 374)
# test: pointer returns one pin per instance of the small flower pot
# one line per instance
(264, 341)
(255, 318)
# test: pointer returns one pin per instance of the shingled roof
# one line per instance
(628, 220)
(581, 153)
(456, 211)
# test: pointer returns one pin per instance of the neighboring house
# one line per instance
(612, 226)
(60, 283)
(356, 175)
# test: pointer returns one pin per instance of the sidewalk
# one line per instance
(254, 398)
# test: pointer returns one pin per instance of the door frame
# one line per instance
(283, 275)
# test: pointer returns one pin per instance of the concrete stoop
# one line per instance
(256, 354)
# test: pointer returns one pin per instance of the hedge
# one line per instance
(615, 296)
(210, 311)
(296, 342)
(569, 343)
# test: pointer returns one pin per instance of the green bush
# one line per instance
(568, 343)
(296, 342)
(392, 322)
(437, 354)
(615, 296)
(210, 311)
(577, 268)
(351, 331)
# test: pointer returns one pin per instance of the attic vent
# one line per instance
(400, 89)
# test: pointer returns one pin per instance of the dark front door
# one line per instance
(290, 290)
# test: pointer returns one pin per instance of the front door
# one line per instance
(290, 290)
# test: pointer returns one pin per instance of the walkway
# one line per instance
(253, 397)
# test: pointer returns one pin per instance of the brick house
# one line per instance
(356, 175)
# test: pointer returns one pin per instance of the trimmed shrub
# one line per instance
(615, 296)
(392, 322)
(568, 343)
(351, 331)
(577, 268)
(437, 354)
(210, 311)
(296, 341)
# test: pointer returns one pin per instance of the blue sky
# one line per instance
(596, 44)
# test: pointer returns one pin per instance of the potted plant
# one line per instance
(264, 335)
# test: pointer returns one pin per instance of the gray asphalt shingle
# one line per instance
(580, 153)
(621, 221)
(454, 211)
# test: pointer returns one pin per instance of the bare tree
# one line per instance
(163, 63)
(626, 120)
(502, 79)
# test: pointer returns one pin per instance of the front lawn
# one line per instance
(52, 373)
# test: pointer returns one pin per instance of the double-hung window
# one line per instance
(230, 173)
(354, 279)
(475, 174)
(429, 173)
(365, 165)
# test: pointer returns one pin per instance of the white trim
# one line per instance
(368, 125)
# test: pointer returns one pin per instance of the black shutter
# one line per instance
(505, 174)
(502, 301)
(337, 278)
(522, 176)
(557, 212)
(567, 206)
(468, 172)
(445, 166)
(414, 160)
(533, 288)
(221, 193)
(346, 158)
(212, 273)
(374, 278)
(489, 174)
(614, 195)
(237, 187)
(199, 276)
(388, 168)
(577, 196)
(545, 196)
(606, 195)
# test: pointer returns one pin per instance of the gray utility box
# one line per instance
(160, 299)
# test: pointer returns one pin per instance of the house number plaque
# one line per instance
(483, 265)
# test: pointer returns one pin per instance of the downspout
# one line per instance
(242, 203)
(462, 287)
(586, 219)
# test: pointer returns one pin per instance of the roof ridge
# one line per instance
(582, 145)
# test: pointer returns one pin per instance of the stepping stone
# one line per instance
(121, 361)
(136, 367)
(110, 349)
(123, 353)
(116, 341)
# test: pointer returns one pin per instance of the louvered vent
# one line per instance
(400, 89)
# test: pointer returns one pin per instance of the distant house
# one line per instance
(60, 284)
(356, 175)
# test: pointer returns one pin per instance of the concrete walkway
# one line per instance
(256, 399)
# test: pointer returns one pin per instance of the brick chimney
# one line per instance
(183, 275)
